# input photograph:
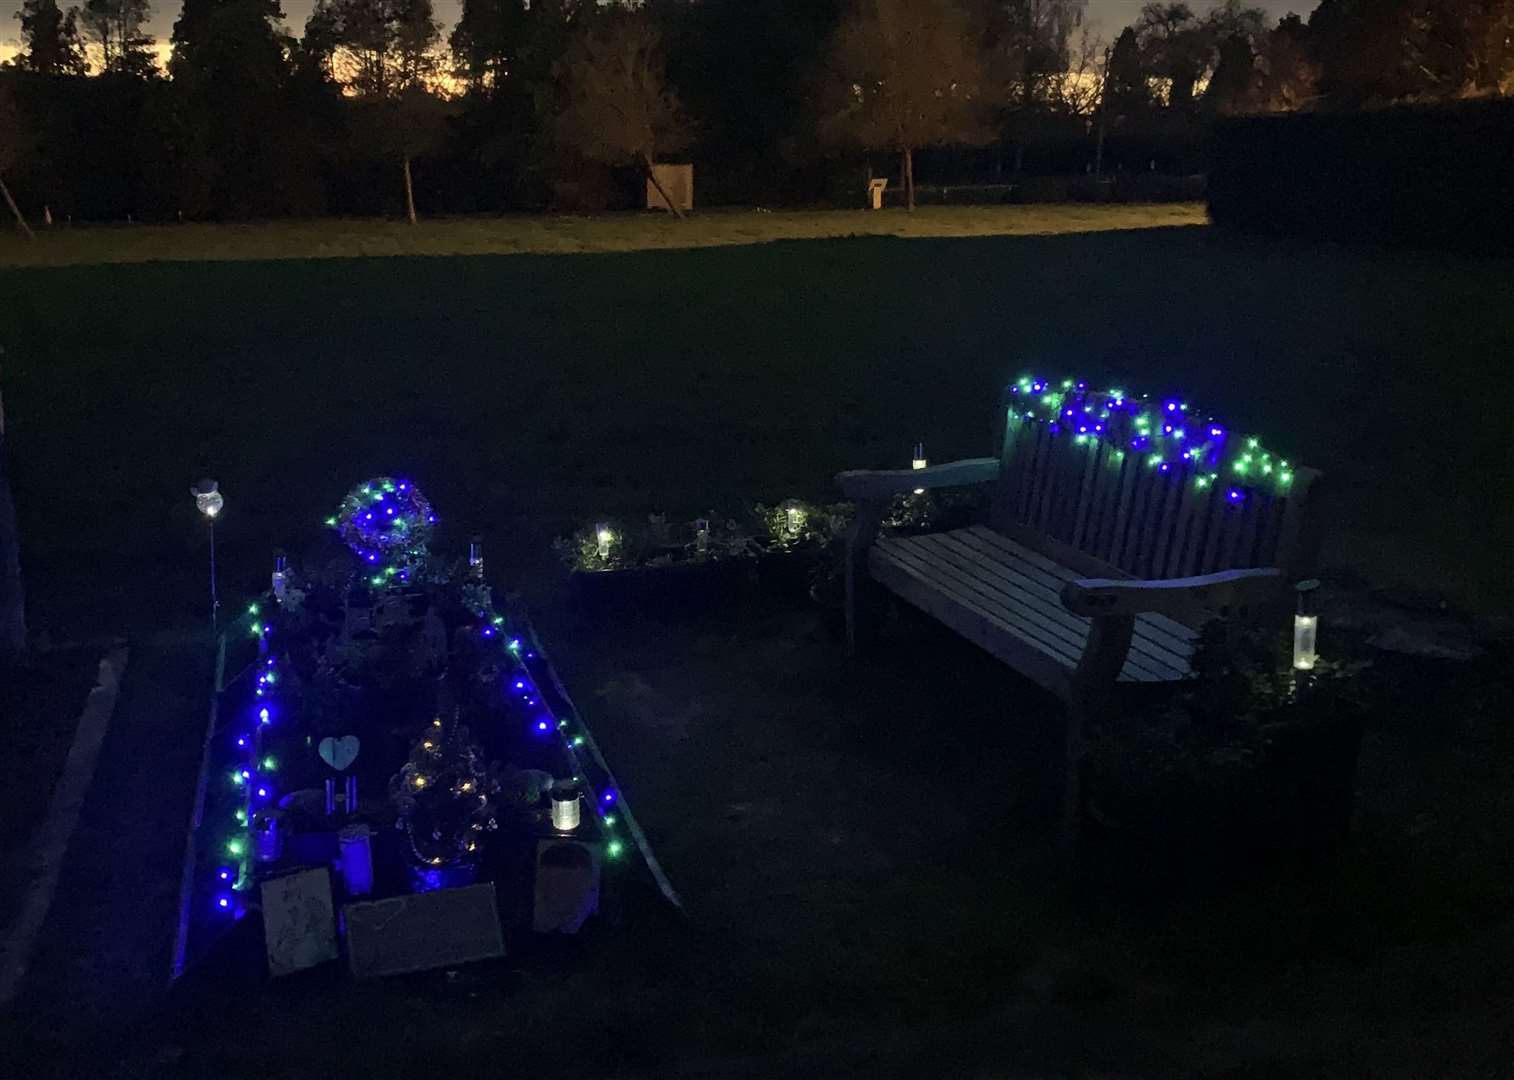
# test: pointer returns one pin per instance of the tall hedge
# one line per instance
(1434, 176)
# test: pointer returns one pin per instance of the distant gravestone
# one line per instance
(299, 926)
(423, 931)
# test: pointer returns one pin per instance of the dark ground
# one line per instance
(852, 910)
(863, 849)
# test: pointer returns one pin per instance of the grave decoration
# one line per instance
(395, 728)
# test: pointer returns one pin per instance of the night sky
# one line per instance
(1111, 15)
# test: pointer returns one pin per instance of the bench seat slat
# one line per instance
(1060, 575)
(1016, 593)
(1045, 596)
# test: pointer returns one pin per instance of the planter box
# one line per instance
(674, 588)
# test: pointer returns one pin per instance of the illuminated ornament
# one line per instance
(385, 521)
(702, 535)
(565, 808)
(604, 538)
(1305, 628)
(419, 781)
(919, 462)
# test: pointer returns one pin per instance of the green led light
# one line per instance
(270, 763)
(1119, 455)
(1080, 439)
(1285, 477)
(578, 740)
(378, 580)
(241, 816)
(1153, 461)
(235, 847)
(615, 848)
(1240, 467)
(270, 678)
(610, 819)
(238, 779)
(257, 628)
(331, 522)
(1252, 444)
(498, 620)
(252, 609)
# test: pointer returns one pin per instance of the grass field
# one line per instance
(563, 234)
(529, 391)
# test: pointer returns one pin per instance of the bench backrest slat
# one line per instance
(1142, 520)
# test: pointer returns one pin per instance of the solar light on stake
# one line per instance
(279, 581)
(208, 501)
(604, 537)
(1305, 627)
(919, 462)
(702, 535)
(476, 558)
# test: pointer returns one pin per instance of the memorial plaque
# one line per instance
(423, 931)
(299, 926)
(567, 885)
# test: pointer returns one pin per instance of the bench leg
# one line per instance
(861, 590)
(1071, 823)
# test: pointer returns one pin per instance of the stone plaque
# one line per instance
(299, 926)
(423, 931)
(567, 885)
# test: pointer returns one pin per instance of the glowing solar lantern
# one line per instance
(919, 462)
(1305, 628)
(604, 538)
(208, 499)
(793, 518)
(279, 580)
(566, 813)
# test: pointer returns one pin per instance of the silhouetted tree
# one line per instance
(384, 53)
(12, 137)
(233, 131)
(487, 44)
(1287, 73)
(614, 103)
(116, 26)
(903, 74)
(1385, 50)
(1127, 91)
(50, 39)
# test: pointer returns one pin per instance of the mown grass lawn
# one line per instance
(527, 392)
(565, 234)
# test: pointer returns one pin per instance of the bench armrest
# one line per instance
(1185, 599)
(871, 486)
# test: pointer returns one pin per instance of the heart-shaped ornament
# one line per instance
(338, 753)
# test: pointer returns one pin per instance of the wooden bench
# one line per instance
(1117, 527)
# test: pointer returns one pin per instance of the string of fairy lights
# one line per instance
(391, 544)
(1165, 433)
